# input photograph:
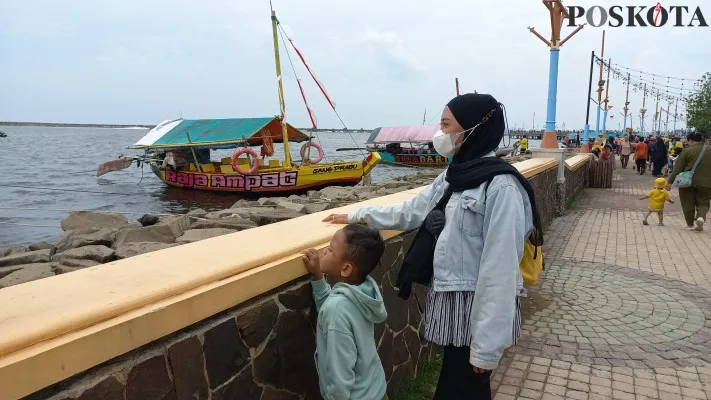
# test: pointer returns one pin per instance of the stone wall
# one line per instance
(575, 181)
(544, 188)
(263, 350)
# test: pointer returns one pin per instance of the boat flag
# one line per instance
(318, 83)
(303, 96)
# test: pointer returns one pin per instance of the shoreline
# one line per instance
(73, 125)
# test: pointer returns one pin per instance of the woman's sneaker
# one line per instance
(699, 224)
(689, 228)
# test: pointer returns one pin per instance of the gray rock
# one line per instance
(27, 273)
(243, 203)
(335, 193)
(165, 231)
(316, 207)
(266, 215)
(30, 257)
(40, 246)
(85, 237)
(90, 219)
(101, 254)
(194, 235)
(234, 223)
(223, 213)
(300, 208)
(63, 269)
(8, 251)
(198, 212)
(8, 270)
(77, 263)
(295, 198)
(269, 201)
(313, 194)
(133, 249)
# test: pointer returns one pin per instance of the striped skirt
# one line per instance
(448, 321)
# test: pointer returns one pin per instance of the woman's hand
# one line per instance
(337, 219)
(478, 370)
(312, 260)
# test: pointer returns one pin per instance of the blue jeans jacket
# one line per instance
(479, 250)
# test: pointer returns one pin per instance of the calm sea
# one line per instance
(46, 172)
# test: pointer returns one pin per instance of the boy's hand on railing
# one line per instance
(312, 261)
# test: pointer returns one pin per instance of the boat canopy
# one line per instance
(216, 133)
(401, 134)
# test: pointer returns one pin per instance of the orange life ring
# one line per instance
(317, 147)
(239, 152)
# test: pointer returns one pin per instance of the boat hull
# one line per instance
(270, 181)
(415, 160)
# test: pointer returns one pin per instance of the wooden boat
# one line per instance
(178, 152)
(3, 134)
(406, 145)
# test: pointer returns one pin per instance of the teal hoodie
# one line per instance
(346, 354)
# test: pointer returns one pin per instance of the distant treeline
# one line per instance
(66, 125)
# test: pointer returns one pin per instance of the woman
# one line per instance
(611, 149)
(695, 199)
(471, 307)
(659, 157)
(625, 151)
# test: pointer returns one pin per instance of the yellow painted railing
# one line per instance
(576, 162)
(53, 328)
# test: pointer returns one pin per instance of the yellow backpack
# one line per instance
(531, 265)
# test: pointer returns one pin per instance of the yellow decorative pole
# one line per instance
(607, 95)
(282, 106)
(627, 101)
(600, 83)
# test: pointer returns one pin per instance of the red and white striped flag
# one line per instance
(312, 117)
(318, 83)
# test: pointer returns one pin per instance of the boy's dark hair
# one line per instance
(365, 246)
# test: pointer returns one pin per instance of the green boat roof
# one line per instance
(217, 133)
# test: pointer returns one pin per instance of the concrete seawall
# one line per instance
(226, 317)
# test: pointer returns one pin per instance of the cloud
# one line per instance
(388, 48)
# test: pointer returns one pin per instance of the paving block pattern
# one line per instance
(623, 311)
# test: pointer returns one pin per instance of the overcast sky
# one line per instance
(383, 62)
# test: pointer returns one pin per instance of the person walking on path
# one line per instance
(695, 199)
(657, 197)
(640, 156)
(659, 157)
(625, 151)
(471, 307)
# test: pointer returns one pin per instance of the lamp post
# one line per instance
(558, 15)
(627, 101)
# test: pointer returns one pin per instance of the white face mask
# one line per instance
(445, 143)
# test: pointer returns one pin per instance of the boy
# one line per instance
(657, 197)
(346, 354)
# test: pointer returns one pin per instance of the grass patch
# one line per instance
(422, 386)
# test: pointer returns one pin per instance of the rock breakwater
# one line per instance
(91, 239)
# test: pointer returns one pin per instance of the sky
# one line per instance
(382, 62)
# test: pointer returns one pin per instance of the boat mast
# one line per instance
(282, 106)
(456, 84)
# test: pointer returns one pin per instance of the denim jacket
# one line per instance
(479, 250)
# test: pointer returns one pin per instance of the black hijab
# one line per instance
(471, 109)
(660, 149)
(469, 168)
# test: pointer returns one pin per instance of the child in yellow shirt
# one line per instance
(657, 197)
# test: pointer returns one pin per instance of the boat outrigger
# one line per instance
(406, 145)
(178, 152)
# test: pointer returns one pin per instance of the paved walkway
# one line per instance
(623, 310)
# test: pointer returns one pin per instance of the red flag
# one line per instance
(303, 96)
(320, 86)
